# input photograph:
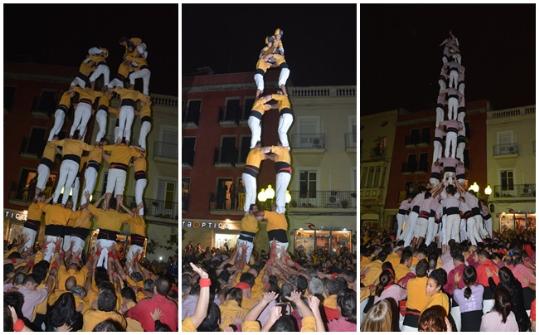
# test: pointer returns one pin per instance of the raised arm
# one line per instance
(255, 311)
(201, 310)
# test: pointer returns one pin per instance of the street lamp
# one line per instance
(488, 190)
(270, 193)
(287, 197)
(474, 187)
(262, 197)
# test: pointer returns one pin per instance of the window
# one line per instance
(244, 148)
(188, 150)
(247, 105)
(423, 162)
(308, 133)
(411, 164)
(232, 110)
(166, 193)
(414, 136)
(186, 185)
(46, 102)
(36, 142)
(376, 180)
(504, 137)
(506, 179)
(167, 146)
(370, 176)
(228, 153)
(193, 111)
(307, 184)
(9, 97)
(225, 194)
(27, 185)
(364, 172)
(425, 135)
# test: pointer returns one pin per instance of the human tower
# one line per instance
(67, 222)
(445, 210)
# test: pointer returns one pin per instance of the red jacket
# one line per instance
(143, 309)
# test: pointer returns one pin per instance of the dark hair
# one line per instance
(469, 276)
(301, 283)
(212, 320)
(507, 279)
(161, 327)
(8, 268)
(450, 189)
(8, 320)
(128, 293)
(20, 278)
(332, 287)
(235, 294)
(40, 271)
(406, 255)
(162, 285)
(248, 278)
(433, 319)
(285, 323)
(421, 268)
(386, 277)
(148, 285)
(108, 325)
(100, 275)
(502, 302)
(64, 311)
(347, 303)
(459, 257)
(440, 276)
(106, 300)
(15, 299)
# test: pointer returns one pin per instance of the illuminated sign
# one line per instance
(13, 214)
(206, 224)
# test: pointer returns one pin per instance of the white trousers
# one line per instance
(477, 222)
(400, 221)
(432, 229)
(421, 228)
(249, 182)
(101, 118)
(127, 114)
(116, 83)
(460, 151)
(145, 128)
(30, 236)
(488, 227)
(106, 246)
(249, 249)
(59, 117)
(282, 181)
(78, 82)
(285, 122)
(452, 225)
(259, 80)
(145, 74)
(410, 228)
(68, 173)
(50, 245)
(488, 304)
(283, 76)
(461, 88)
(102, 69)
(140, 185)
(132, 253)
(452, 108)
(256, 130)
(463, 233)
(439, 115)
(78, 244)
(43, 172)
(116, 181)
(83, 112)
(453, 78)
(75, 193)
(90, 179)
(450, 144)
(455, 313)
(437, 151)
(442, 84)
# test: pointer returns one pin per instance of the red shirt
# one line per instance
(482, 277)
(450, 286)
(143, 309)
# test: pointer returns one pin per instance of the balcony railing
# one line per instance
(512, 112)
(505, 149)
(165, 150)
(164, 100)
(323, 199)
(518, 191)
(308, 141)
(370, 193)
(328, 91)
(350, 142)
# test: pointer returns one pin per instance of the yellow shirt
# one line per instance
(261, 106)
(50, 151)
(417, 295)
(65, 99)
(282, 101)
(255, 157)
(87, 94)
(137, 225)
(35, 210)
(331, 301)
(308, 324)
(57, 215)
(372, 273)
(249, 223)
(146, 109)
(133, 325)
(140, 164)
(275, 221)
(129, 94)
(86, 67)
(92, 317)
(104, 102)
(108, 219)
(78, 300)
(82, 219)
(439, 299)
(401, 270)
(121, 153)
(230, 311)
(64, 273)
(394, 259)
(363, 262)
(188, 326)
(283, 154)
(96, 154)
(73, 147)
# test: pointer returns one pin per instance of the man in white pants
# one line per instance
(145, 115)
(79, 229)
(254, 122)
(453, 96)
(420, 231)
(45, 165)
(263, 64)
(404, 210)
(56, 218)
(475, 214)
(286, 116)
(460, 172)
(462, 76)
(59, 115)
(33, 221)
(99, 57)
(129, 99)
(487, 219)
(279, 58)
(454, 70)
(140, 69)
(438, 142)
(434, 219)
(103, 109)
(248, 230)
(451, 130)
(83, 111)
(137, 237)
(461, 143)
(141, 180)
(250, 173)
(95, 158)
(120, 157)
(283, 169)
(441, 106)
(435, 173)
(85, 70)
(450, 203)
(408, 234)
(442, 80)
(72, 150)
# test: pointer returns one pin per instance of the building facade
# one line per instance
(31, 94)
(511, 158)
(215, 145)
(376, 150)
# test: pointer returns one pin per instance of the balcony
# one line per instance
(370, 193)
(512, 113)
(323, 91)
(164, 100)
(225, 158)
(350, 142)
(166, 151)
(506, 150)
(308, 142)
(518, 191)
(323, 199)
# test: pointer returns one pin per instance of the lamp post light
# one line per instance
(474, 187)
(488, 190)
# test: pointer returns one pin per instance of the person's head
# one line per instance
(136, 276)
(386, 278)
(64, 311)
(235, 294)
(285, 323)
(469, 277)
(458, 259)
(162, 286)
(100, 275)
(379, 318)
(14, 299)
(332, 287)
(148, 285)
(483, 255)
(248, 278)
(316, 286)
(502, 302)
(108, 325)
(70, 283)
(421, 268)
(253, 208)
(20, 279)
(506, 277)
(436, 281)
(406, 257)
(128, 294)
(433, 320)
(212, 320)
(106, 300)
(450, 189)
(347, 301)
(161, 327)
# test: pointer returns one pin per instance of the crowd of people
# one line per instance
(221, 294)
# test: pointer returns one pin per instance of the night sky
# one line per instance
(62, 35)
(319, 40)
(401, 57)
